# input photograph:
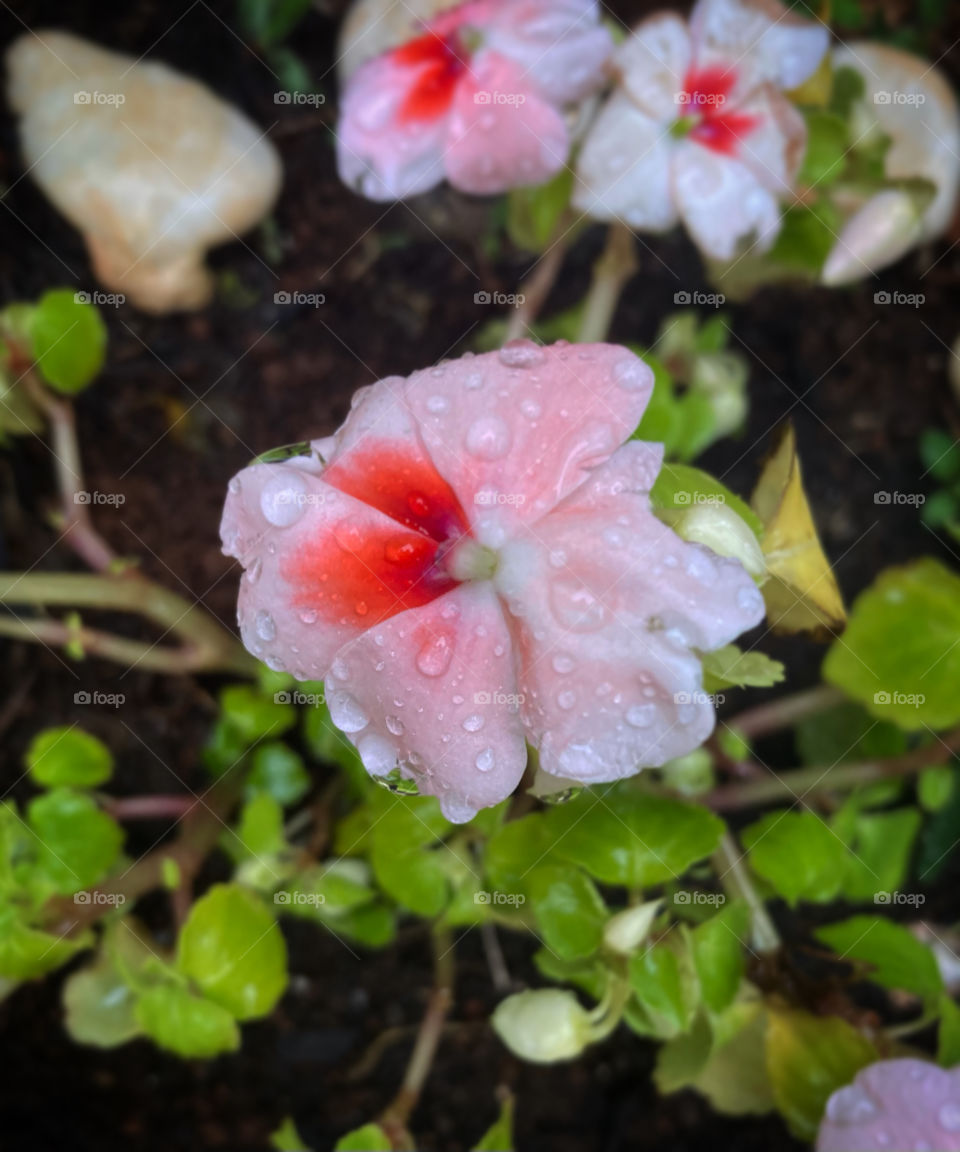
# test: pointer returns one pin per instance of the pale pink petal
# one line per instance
(759, 40)
(381, 154)
(894, 1104)
(654, 61)
(623, 171)
(502, 134)
(723, 204)
(514, 431)
(606, 604)
(773, 147)
(433, 693)
(561, 45)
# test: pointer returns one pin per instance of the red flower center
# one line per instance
(705, 94)
(438, 62)
(366, 573)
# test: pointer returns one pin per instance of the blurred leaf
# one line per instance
(798, 855)
(848, 87)
(589, 975)
(286, 1138)
(259, 829)
(718, 954)
(568, 908)
(847, 733)
(99, 1005)
(827, 144)
(514, 850)
(70, 757)
(900, 655)
(935, 787)
(806, 238)
(369, 1138)
(69, 340)
(621, 835)
(499, 1137)
(181, 1022)
(938, 840)
(808, 1058)
(533, 214)
(948, 1040)
(801, 592)
(77, 844)
(279, 771)
(679, 486)
(233, 949)
(665, 985)
(940, 454)
(880, 846)
(253, 716)
(27, 953)
(731, 667)
(270, 22)
(896, 958)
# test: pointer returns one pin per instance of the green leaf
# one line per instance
(718, 955)
(279, 771)
(896, 958)
(270, 22)
(369, 1138)
(731, 667)
(847, 733)
(259, 837)
(499, 1137)
(798, 855)
(76, 843)
(568, 908)
(935, 787)
(253, 716)
(807, 235)
(948, 1039)
(415, 879)
(900, 655)
(286, 1138)
(99, 1006)
(940, 454)
(679, 486)
(809, 1058)
(181, 1022)
(848, 87)
(664, 983)
(533, 214)
(514, 850)
(827, 143)
(69, 757)
(233, 949)
(27, 953)
(621, 835)
(591, 975)
(880, 846)
(68, 339)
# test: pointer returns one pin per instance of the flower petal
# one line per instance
(433, 692)
(654, 61)
(561, 45)
(773, 145)
(514, 431)
(606, 604)
(623, 172)
(722, 203)
(502, 134)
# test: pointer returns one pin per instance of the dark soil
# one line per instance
(185, 401)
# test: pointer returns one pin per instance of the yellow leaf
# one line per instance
(801, 593)
(816, 89)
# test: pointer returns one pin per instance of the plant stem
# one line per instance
(798, 783)
(396, 1116)
(149, 807)
(538, 284)
(205, 646)
(738, 885)
(612, 271)
(785, 711)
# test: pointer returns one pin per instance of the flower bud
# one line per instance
(543, 1026)
(882, 231)
(625, 932)
(722, 378)
(721, 530)
(692, 774)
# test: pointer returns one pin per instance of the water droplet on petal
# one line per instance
(394, 725)
(473, 381)
(567, 699)
(631, 374)
(473, 723)
(531, 409)
(346, 712)
(361, 608)
(434, 657)
(283, 499)
(641, 715)
(307, 616)
(749, 599)
(379, 755)
(437, 404)
(950, 1117)
(576, 607)
(558, 558)
(563, 663)
(485, 760)
(521, 354)
(234, 486)
(266, 629)
(456, 811)
(851, 1105)
(488, 438)
(253, 572)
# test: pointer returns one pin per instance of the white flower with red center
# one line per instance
(699, 129)
(471, 564)
(477, 99)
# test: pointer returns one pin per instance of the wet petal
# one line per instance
(654, 60)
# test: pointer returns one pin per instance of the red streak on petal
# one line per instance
(706, 93)
(403, 484)
(725, 134)
(436, 63)
(707, 89)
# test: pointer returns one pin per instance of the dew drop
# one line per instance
(418, 504)
(485, 760)
(437, 405)
(234, 486)
(253, 572)
(456, 811)
(749, 599)
(284, 498)
(378, 754)
(488, 438)
(361, 608)
(851, 1105)
(575, 607)
(641, 715)
(307, 615)
(346, 712)
(266, 629)
(563, 664)
(531, 409)
(434, 657)
(473, 723)
(402, 550)
(631, 374)
(558, 558)
(521, 354)
(567, 699)
(395, 725)
(473, 381)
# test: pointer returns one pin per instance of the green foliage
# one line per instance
(798, 855)
(891, 955)
(718, 955)
(534, 214)
(186, 1024)
(664, 983)
(569, 910)
(940, 454)
(279, 771)
(827, 146)
(369, 1138)
(900, 655)
(68, 340)
(68, 757)
(730, 667)
(679, 486)
(75, 845)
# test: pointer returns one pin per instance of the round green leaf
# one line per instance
(76, 843)
(186, 1024)
(798, 855)
(68, 757)
(69, 340)
(279, 770)
(233, 949)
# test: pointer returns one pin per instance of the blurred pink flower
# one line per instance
(698, 129)
(472, 563)
(895, 1106)
(476, 99)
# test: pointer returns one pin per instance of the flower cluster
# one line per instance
(452, 627)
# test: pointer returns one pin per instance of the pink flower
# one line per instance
(895, 1105)
(471, 563)
(699, 129)
(476, 99)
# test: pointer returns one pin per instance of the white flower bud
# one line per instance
(882, 231)
(625, 932)
(722, 378)
(543, 1026)
(720, 529)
